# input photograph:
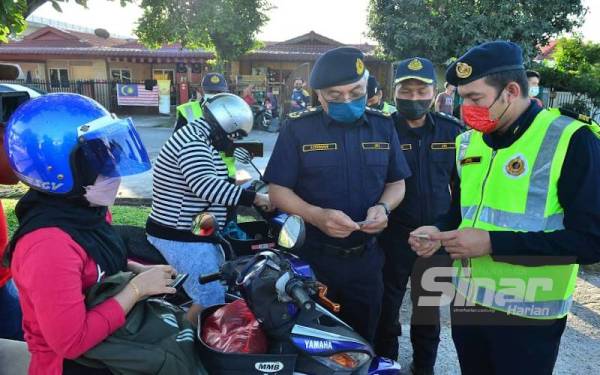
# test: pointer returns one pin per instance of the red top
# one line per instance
(249, 99)
(4, 272)
(52, 272)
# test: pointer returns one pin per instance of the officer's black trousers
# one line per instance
(495, 343)
(402, 263)
(354, 281)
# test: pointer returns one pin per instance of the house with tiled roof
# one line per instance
(546, 53)
(282, 62)
(57, 55)
(61, 56)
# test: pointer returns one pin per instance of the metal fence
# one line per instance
(579, 103)
(104, 92)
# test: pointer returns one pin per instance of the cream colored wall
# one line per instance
(81, 69)
(36, 69)
(139, 72)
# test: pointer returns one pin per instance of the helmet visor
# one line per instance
(112, 147)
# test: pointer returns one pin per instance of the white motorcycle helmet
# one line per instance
(231, 113)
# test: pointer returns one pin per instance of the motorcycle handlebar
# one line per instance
(205, 279)
(301, 297)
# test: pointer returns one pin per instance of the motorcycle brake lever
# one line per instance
(322, 293)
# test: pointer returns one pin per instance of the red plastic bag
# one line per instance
(234, 329)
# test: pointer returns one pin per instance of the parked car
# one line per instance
(10, 72)
(13, 87)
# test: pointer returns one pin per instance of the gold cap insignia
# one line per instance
(516, 167)
(584, 118)
(415, 64)
(463, 70)
(215, 79)
(360, 67)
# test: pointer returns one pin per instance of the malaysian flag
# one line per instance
(134, 94)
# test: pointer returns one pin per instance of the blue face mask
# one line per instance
(347, 112)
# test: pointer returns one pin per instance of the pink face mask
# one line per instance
(103, 192)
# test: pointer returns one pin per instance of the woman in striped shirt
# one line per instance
(190, 178)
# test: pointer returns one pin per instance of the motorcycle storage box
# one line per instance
(219, 363)
(260, 240)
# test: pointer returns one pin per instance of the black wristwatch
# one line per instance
(385, 207)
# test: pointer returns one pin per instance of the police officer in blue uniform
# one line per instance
(212, 84)
(341, 168)
(427, 140)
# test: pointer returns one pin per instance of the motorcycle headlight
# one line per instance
(345, 360)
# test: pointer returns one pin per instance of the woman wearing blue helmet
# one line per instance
(72, 152)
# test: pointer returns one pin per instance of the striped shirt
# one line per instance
(190, 177)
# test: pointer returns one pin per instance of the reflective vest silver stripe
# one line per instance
(510, 303)
(189, 113)
(532, 220)
(465, 139)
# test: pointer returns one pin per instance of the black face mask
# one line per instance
(413, 109)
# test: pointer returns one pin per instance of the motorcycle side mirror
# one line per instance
(292, 233)
(204, 225)
(245, 157)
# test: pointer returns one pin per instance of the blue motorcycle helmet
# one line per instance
(59, 143)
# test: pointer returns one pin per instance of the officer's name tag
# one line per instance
(471, 160)
(375, 146)
(406, 146)
(320, 147)
(443, 146)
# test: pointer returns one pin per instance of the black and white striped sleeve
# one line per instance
(197, 165)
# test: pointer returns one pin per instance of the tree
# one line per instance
(14, 12)
(443, 29)
(576, 70)
(228, 27)
(575, 55)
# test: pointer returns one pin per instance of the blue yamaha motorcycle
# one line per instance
(306, 337)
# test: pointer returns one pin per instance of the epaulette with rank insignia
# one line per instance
(307, 112)
(378, 112)
(449, 118)
(579, 117)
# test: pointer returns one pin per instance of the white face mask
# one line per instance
(534, 91)
(103, 192)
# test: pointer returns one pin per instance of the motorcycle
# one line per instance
(262, 116)
(293, 310)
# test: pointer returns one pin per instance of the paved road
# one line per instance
(154, 135)
(580, 343)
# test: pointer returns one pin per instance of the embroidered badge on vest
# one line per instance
(516, 166)
(375, 146)
(406, 146)
(320, 147)
(443, 146)
(471, 160)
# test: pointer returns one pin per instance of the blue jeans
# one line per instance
(10, 313)
(195, 259)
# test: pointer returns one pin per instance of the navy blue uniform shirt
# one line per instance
(338, 166)
(578, 194)
(430, 153)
